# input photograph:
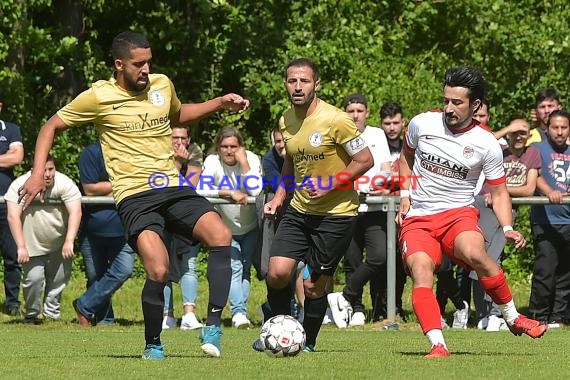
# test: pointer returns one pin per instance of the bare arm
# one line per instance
(102, 189)
(554, 196)
(528, 189)
(406, 163)
(17, 230)
(515, 126)
(190, 112)
(502, 208)
(14, 156)
(44, 142)
(73, 221)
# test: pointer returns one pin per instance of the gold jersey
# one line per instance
(316, 145)
(135, 131)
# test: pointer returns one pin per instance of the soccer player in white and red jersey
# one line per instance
(449, 150)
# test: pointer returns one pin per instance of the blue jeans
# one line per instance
(109, 263)
(243, 247)
(186, 273)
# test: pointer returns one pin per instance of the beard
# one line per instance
(136, 85)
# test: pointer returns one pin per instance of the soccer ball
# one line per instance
(282, 335)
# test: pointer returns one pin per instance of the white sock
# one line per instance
(435, 337)
(509, 311)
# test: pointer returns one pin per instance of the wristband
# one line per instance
(507, 228)
(404, 193)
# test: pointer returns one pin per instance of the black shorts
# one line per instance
(176, 210)
(318, 240)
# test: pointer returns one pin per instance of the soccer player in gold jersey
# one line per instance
(324, 154)
(134, 112)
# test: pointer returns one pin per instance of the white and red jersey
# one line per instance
(447, 163)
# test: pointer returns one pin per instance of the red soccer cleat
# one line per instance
(530, 327)
(438, 351)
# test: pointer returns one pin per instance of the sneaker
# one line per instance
(190, 322)
(309, 348)
(523, 325)
(438, 351)
(81, 319)
(32, 320)
(444, 325)
(461, 317)
(358, 319)
(210, 339)
(168, 322)
(240, 321)
(340, 308)
(483, 323)
(153, 352)
(258, 345)
(495, 324)
(328, 319)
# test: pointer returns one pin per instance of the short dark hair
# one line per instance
(558, 113)
(124, 42)
(354, 98)
(390, 109)
(301, 62)
(470, 78)
(547, 94)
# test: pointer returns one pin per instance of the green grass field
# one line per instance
(63, 350)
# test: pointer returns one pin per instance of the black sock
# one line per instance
(279, 300)
(315, 310)
(219, 275)
(152, 307)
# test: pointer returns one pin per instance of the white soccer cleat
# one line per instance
(341, 309)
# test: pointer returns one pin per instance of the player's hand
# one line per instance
(488, 200)
(317, 187)
(23, 255)
(516, 238)
(235, 103)
(67, 250)
(555, 196)
(403, 210)
(33, 186)
(271, 208)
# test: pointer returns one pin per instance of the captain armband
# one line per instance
(354, 146)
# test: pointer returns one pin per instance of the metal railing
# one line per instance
(390, 207)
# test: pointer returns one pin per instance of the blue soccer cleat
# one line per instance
(153, 352)
(210, 339)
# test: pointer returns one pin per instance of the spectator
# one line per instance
(448, 151)
(370, 228)
(392, 122)
(235, 173)
(45, 235)
(550, 287)
(188, 158)
(139, 158)
(324, 151)
(109, 260)
(11, 154)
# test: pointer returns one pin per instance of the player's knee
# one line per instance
(277, 278)
(313, 290)
(158, 273)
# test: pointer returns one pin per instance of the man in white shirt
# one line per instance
(45, 234)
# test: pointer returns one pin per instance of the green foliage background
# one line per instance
(50, 50)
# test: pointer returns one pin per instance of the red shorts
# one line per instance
(435, 234)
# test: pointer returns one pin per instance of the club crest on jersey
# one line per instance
(156, 98)
(316, 139)
(468, 152)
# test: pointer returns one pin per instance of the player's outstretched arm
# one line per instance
(502, 208)
(35, 184)
(190, 112)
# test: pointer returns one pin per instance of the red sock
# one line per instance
(497, 288)
(426, 309)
